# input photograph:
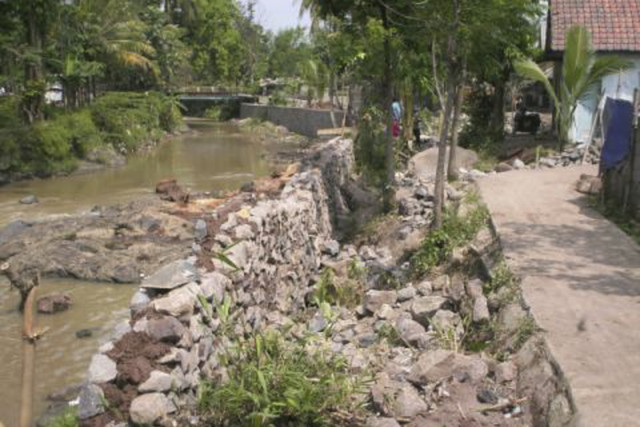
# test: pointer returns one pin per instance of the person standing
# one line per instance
(396, 112)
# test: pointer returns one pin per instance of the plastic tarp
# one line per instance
(618, 132)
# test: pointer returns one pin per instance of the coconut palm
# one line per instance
(582, 72)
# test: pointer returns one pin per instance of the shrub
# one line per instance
(276, 382)
(129, 120)
(370, 146)
(84, 133)
(438, 246)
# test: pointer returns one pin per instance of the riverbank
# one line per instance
(109, 226)
(441, 339)
(117, 124)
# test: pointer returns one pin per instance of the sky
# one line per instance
(275, 15)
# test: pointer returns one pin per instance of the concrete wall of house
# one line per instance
(303, 121)
(617, 86)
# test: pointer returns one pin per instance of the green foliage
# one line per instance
(84, 133)
(370, 146)
(478, 133)
(343, 291)
(67, 419)
(582, 72)
(526, 328)
(53, 146)
(439, 244)
(276, 382)
(130, 120)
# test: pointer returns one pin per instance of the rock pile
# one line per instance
(260, 266)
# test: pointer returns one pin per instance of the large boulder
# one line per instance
(102, 369)
(146, 409)
(171, 276)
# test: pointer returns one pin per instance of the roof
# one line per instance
(614, 24)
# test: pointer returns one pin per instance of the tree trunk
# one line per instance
(34, 98)
(388, 193)
(442, 156)
(452, 68)
(497, 118)
(452, 171)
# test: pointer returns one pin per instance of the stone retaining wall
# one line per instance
(154, 363)
(303, 121)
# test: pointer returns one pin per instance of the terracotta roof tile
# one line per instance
(614, 24)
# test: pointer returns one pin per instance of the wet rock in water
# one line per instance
(29, 200)
(148, 408)
(171, 276)
(55, 303)
(170, 190)
(102, 369)
(84, 333)
(248, 187)
(200, 230)
(90, 402)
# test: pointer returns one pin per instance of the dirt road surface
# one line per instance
(581, 277)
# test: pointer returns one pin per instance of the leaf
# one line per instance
(532, 71)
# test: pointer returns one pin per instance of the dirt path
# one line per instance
(581, 277)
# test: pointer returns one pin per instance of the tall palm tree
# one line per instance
(582, 72)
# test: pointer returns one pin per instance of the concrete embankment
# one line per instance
(304, 121)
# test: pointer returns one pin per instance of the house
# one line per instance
(615, 29)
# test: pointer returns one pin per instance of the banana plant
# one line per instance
(582, 73)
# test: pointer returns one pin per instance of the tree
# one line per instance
(582, 72)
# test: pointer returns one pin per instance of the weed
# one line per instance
(343, 291)
(452, 337)
(391, 334)
(456, 231)
(526, 329)
(67, 419)
(275, 382)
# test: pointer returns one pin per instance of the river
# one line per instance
(217, 157)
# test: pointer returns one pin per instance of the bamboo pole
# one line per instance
(28, 358)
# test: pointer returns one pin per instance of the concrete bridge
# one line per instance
(197, 101)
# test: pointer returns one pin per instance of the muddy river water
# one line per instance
(217, 157)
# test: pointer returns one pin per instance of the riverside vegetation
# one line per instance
(118, 123)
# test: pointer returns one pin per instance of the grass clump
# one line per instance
(68, 418)
(343, 291)
(274, 382)
(456, 231)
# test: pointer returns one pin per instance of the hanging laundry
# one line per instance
(618, 131)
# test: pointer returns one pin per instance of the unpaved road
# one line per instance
(581, 277)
